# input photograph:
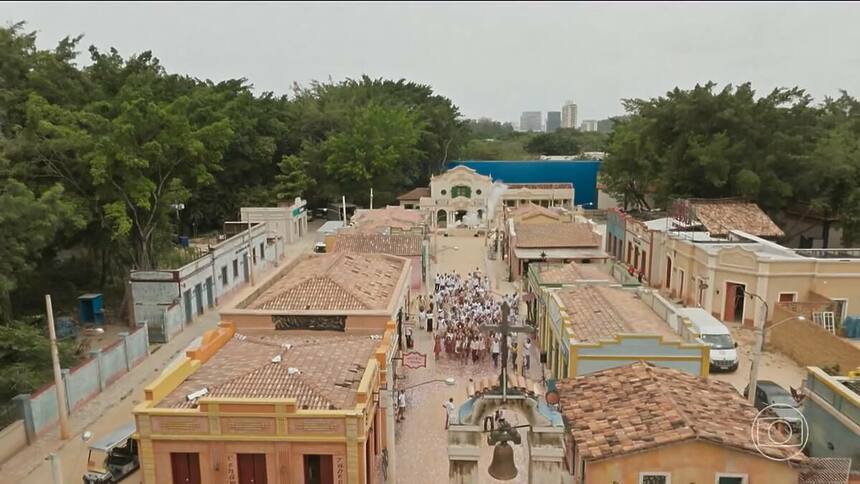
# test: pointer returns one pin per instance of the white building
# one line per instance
(568, 115)
(458, 197)
(289, 221)
(589, 125)
(169, 299)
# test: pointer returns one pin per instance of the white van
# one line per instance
(712, 332)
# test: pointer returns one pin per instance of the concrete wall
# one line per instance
(809, 345)
(833, 413)
(39, 410)
(13, 438)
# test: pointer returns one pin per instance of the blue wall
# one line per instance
(581, 173)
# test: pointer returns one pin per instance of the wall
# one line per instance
(581, 173)
(833, 413)
(810, 345)
(39, 410)
(709, 459)
(627, 349)
(13, 438)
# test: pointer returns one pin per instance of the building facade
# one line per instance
(458, 197)
(832, 408)
(289, 222)
(543, 194)
(531, 121)
(588, 125)
(568, 115)
(553, 121)
(169, 299)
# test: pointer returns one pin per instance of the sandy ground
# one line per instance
(113, 408)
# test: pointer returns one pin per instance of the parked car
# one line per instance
(715, 334)
(769, 393)
(113, 457)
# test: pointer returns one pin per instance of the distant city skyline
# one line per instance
(640, 50)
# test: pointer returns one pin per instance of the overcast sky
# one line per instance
(493, 60)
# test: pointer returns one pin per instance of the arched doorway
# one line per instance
(668, 272)
(480, 214)
(442, 219)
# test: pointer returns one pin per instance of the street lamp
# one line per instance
(759, 343)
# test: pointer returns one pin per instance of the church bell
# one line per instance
(502, 467)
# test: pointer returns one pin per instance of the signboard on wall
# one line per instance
(414, 360)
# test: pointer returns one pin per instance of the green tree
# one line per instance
(293, 181)
(25, 358)
(566, 141)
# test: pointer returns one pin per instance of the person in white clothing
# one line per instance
(449, 412)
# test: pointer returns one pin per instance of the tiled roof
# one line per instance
(721, 215)
(591, 317)
(381, 219)
(339, 281)
(573, 272)
(636, 407)
(529, 210)
(400, 245)
(555, 235)
(331, 366)
(415, 194)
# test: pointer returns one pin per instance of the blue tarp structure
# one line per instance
(851, 327)
(581, 173)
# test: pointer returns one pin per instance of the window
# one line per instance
(461, 191)
(262, 251)
(787, 296)
(235, 268)
(224, 280)
(655, 478)
(478, 191)
(444, 192)
(731, 479)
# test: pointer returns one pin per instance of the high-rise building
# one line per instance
(553, 121)
(531, 121)
(589, 125)
(568, 115)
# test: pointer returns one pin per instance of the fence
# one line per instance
(38, 411)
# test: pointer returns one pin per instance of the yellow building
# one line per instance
(643, 423)
(276, 407)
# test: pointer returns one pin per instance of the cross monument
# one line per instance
(505, 328)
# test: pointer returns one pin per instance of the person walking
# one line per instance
(437, 345)
(401, 405)
(449, 412)
(494, 349)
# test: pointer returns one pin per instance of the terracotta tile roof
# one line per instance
(573, 272)
(528, 210)
(555, 235)
(339, 281)
(721, 215)
(590, 315)
(331, 366)
(400, 245)
(631, 408)
(380, 220)
(415, 194)
(601, 312)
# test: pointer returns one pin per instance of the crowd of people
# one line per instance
(456, 310)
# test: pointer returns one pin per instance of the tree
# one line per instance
(25, 358)
(293, 181)
(566, 141)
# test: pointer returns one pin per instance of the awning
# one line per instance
(115, 438)
(537, 254)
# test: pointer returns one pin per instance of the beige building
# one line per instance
(643, 423)
(288, 222)
(720, 273)
(568, 115)
(458, 197)
(389, 220)
(412, 198)
(543, 194)
(534, 234)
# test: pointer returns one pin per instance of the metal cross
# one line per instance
(505, 328)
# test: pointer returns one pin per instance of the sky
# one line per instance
(492, 59)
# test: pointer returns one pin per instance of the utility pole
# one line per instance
(56, 468)
(757, 349)
(58, 377)
(250, 253)
(371, 198)
(343, 198)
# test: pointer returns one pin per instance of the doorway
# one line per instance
(442, 219)
(185, 467)
(189, 314)
(459, 215)
(735, 301)
(318, 469)
(210, 290)
(668, 272)
(198, 297)
(252, 468)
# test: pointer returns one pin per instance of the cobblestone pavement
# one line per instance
(421, 438)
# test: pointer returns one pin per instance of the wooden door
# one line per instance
(318, 469)
(731, 294)
(185, 467)
(252, 468)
